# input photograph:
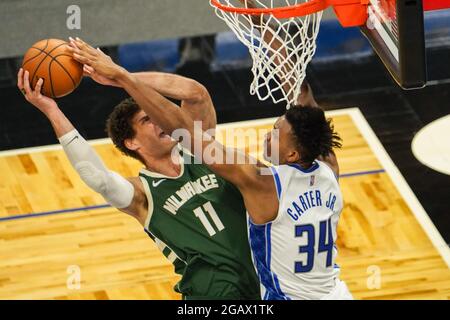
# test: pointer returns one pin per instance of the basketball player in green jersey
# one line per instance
(196, 218)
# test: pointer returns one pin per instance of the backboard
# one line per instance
(395, 28)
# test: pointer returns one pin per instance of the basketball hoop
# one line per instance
(281, 37)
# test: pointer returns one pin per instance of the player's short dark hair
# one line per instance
(120, 128)
(313, 132)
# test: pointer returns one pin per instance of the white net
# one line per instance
(280, 48)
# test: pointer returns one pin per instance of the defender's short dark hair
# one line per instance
(314, 133)
(119, 126)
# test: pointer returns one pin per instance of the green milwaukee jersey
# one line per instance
(199, 221)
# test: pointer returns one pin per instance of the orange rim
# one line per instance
(298, 10)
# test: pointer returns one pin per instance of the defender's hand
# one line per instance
(94, 75)
(91, 73)
(103, 65)
(36, 98)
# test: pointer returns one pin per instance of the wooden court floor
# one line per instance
(59, 241)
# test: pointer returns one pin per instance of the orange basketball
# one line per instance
(52, 61)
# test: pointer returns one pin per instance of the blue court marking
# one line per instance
(104, 206)
(49, 213)
(362, 173)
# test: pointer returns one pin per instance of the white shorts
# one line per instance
(340, 292)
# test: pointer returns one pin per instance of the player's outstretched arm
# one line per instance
(270, 35)
(123, 194)
(47, 106)
(194, 97)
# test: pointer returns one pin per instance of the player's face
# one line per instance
(280, 147)
(150, 138)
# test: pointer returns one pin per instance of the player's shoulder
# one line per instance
(290, 170)
(328, 170)
(140, 196)
(294, 168)
(331, 161)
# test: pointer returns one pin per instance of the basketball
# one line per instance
(51, 60)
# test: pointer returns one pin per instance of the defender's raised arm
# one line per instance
(195, 99)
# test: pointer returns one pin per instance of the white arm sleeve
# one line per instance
(116, 190)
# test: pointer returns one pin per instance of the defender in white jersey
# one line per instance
(293, 211)
(294, 255)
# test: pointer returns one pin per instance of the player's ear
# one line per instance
(292, 156)
(131, 144)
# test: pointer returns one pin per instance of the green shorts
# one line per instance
(208, 283)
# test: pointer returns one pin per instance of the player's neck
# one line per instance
(164, 165)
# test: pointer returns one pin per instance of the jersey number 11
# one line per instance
(200, 213)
